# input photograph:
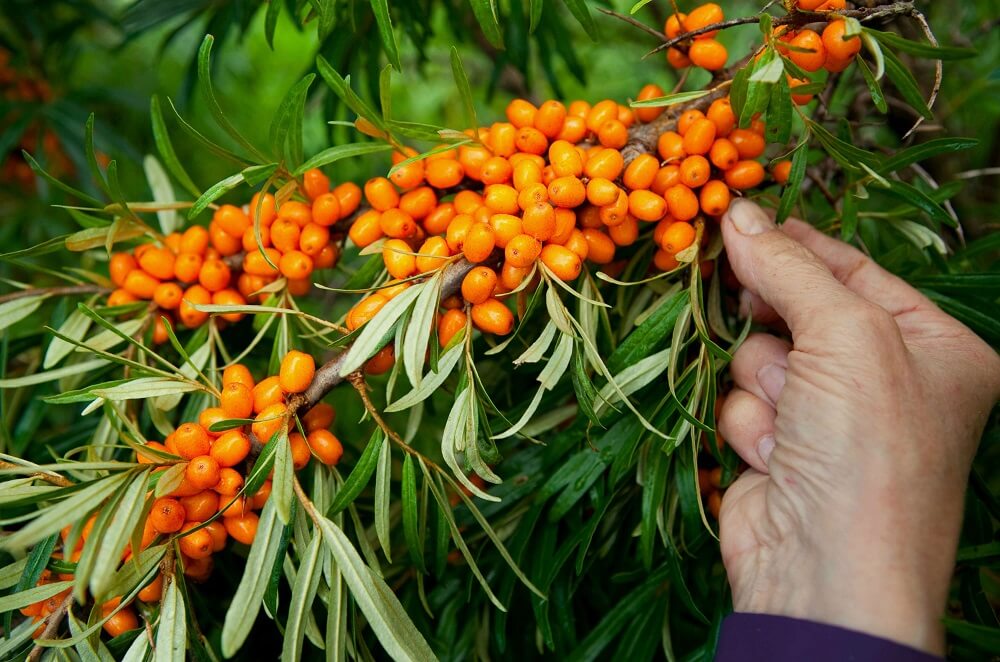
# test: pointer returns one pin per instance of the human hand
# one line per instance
(859, 434)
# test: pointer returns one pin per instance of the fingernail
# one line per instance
(772, 379)
(765, 445)
(748, 218)
(745, 304)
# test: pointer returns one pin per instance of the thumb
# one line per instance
(781, 271)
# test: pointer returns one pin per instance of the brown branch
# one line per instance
(54, 479)
(52, 623)
(54, 291)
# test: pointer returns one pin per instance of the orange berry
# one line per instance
(722, 115)
(682, 203)
(120, 298)
(433, 254)
(699, 137)
(531, 140)
(601, 191)
(625, 233)
(167, 515)
(299, 450)
(230, 480)
(708, 54)
(501, 198)
(687, 118)
(320, 416)
(409, 176)
(381, 194)
(382, 362)
(140, 284)
(675, 25)
(206, 419)
(744, 175)
(837, 46)
(232, 220)
(214, 275)
(521, 113)
(256, 263)
(695, 170)
(120, 266)
(811, 55)
(236, 400)
(313, 239)
(230, 448)
(194, 240)
(650, 91)
(326, 209)
(397, 223)
(667, 176)
(237, 373)
(677, 237)
(364, 310)
(664, 261)
(613, 134)
(502, 136)
(714, 198)
(187, 266)
(472, 158)
(295, 265)
(224, 242)
(399, 259)
(549, 118)
(670, 146)
(723, 154)
(199, 507)
(567, 192)
(565, 159)
(122, 622)
(242, 528)
(366, 228)
(781, 171)
(269, 422)
(750, 145)
(191, 440)
(196, 294)
(479, 284)
(297, 370)
(158, 262)
(646, 206)
(574, 130)
(168, 295)
(152, 591)
(444, 173)
(703, 16)
(539, 221)
(563, 262)
(600, 248)
(491, 316)
(349, 196)
(577, 242)
(479, 242)
(325, 446)
(266, 393)
(217, 530)
(197, 544)
(641, 172)
(607, 163)
(677, 58)
(267, 211)
(601, 112)
(496, 170)
(522, 250)
(202, 472)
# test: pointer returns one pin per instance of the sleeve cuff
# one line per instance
(765, 637)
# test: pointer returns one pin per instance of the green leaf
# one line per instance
(249, 594)
(163, 192)
(778, 126)
(586, 394)
(91, 153)
(878, 98)
(205, 81)
(166, 149)
(171, 632)
(582, 14)
(844, 153)
(430, 383)
(921, 49)
(464, 90)
(485, 12)
(669, 99)
(923, 151)
(389, 621)
(381, 10)
(303, 594)
(906, 84)
(375, 333)
(145, 387)
(38, 170)
(214, 192)
(982, 637)
(419, 328)
(342, 89)
(360, 474)
(52, 375)
(914, 196)
(16, 310)
(534, 14)
(790, 194)
(963, 282)
(123, 522)
(284, 476)
(383, 481)
(210, 145)
(411, 514)
(271, 22)
(286, 127)
(648, 337)
(32, 595)
(32, 569)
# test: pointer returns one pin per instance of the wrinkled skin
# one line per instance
(859, 434)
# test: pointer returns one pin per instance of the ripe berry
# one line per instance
(122, 622)
(236, 400)
(682, 203)
(230, 448)
(625, 233)
(646, 206)
(522, 250)
(242, 528)
(640, 173)
(781, 171)
(326, 446)
(217, 530)
(167, 515)
(714, 198)
(382, 362)
(810, 54)
(152, 591)
(479, 284)
(444, 173)
(199, 507)
(230, 481)
(364, 310)
(432, 254)
(203, 472)
(269, 421)
(479, 242)
(189, 315)
(299, 450)
(650, 91)
(677, 237)
(319, 417)
(491, 316)
(366, 228)
(600, 248)
(702, 16)
(708, 54)
(699, 137)
(567, 192)
(745, 175)
(237, 373)
(381, 194)
(191, 440)
(837, 46)
(297, 370)
(723, 154)
(168, 296)
(197, 544)
(549, 118)
(750, 145)
(564, 263)
(266, 393)
(695, 170)
(326, 209)
(399, 259)
(539, 220)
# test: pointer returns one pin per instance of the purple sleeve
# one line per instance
(767, 638)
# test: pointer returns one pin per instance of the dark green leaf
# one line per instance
(338, 152)
(286, 141)
(906, 84)
(38, 170)
(873, 87)
(213, 192)
(464, 90)
(486, 14)
(411, 515)
(205, 80)
(778, 127)
(381, 10)
(342, 88)
(790, 194)
(649, 337)
(916, 153)
(921, 49)
(582, 14)
(586, 394)
(914, 196)
(360, 475)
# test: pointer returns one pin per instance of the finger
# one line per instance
(753, 305)
(786, 275)
(759, 366)
(747, 424)
(856, 270)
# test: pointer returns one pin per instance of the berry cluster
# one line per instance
(703, 51)
(206, 508)
(223, 264)
(811, 51)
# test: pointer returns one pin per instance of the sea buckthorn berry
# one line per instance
(313, 239)
(511, 277)
(206, 419)
(250, 239)
(723, 154)
(467, 202)
(256, 263)
(382, 362)
(443, 173)
(563, 262)
(297, 370)
(238, 506)
(501, 198)
(284, 235)
(565, 223)
(526, 173)
(217, 530)
(799, 99)
(601, 112)
(364, 310)
(750, 145)
(167, 515)
(194, 240)
(326, 209)
(625, 233)
(320, 416)
(837, 45)
(399, 259)
(667, 176)
(522, 250)
(187, 266)
(327, 257)
(191, 440)
(408, 176)
(203, 472)
(349, 196)
(269, 421)
(224, 242)
(703, 16)
(664, 261)
(491, 316)
(646, 206)
(214, 275)
(699, 137)
(613, 134)
(199, 507)
(677, 58)
(695, 170)
(381, 194)
(153, 591)
(122, 622)
(472, 158)
(479, 284)
(647, 92)
(601, 191)
(811, 53)
(677, 237)
(714, 198)
(315, 183)
(150, 459)
(366, 229)
(397, 224)
(606, 163)
(295, 265)
(836, 65)
(266, 393)
(168, 295)
(567, 192)
(437, 221)
(230, 448)
(230, 480)
(670, 146)
(708, 54)
(781, 171)
(120, 266)
(549, 118)
(232, 220)
(496, 170)
(457, 230)
(531, 140)
(721, 114)
(158, 262)
(745, 175)
(236, 400)
(641, 172)
(237, 373)
(501, 139)
(259, 499)
(419, 202)
(614, 213)
(682, 203)
(687, 118)
(565, 159)
(265, 207)
(194, 295)
(121, 297)
(505, 227)
(197, 544)
(299, 450)
(198, 570)
(574, 130)
(325, 446)
(578, 243)
(521, 113)
(675, 25)
(433, 254)
(298, 286)
(242, 528)
(479, 242)
(298, 212)
(600, 248)
(140, 284)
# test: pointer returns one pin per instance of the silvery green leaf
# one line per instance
(633, 378)
(14, 311)
(537, 349)
(171, 632)
(455, 438)
(116, 537)
(163, 191)
(190, 369)
(374, 333)
(418, 331)
(303, 593)
(431, 382)
(145, 387)
(284, 476)
(106, 339)
(75, 326)
(383, 480)
(32, 595)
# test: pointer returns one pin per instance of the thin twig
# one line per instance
(54, 292)
(938, 69)
(52, 623)
(631, 21)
